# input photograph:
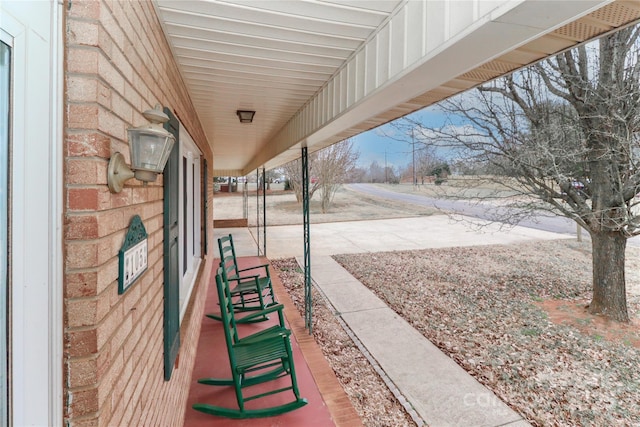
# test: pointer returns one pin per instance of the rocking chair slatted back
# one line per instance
(252, 290)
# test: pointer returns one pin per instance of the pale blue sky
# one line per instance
(372, 145)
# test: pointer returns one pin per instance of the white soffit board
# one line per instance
(269, 56)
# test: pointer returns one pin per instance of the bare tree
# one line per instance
(566, 131)
(336, 163)
(359, 174)
(293, 171)
(328, 169)
(421, 146)
(379, 174)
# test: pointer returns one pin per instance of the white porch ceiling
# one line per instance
(319, 71)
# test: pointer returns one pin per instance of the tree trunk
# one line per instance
(325, 198)
(609, 291)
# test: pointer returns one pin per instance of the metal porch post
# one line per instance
(245, 199)
(264, 212)
(258, 208)
(307, 241)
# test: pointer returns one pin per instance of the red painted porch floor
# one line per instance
(328, 404)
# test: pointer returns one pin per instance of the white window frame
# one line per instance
(190, 154)
(5, 205)
(36, 32)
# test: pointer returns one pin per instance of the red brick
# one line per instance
(127, 415)
(88, 311)
(122, 108)
(82, 60)
(109, 222)
(133, 97)
(156, 193)
(104, 198)
(121, 383)
(84, 33)
(110, 74)
(132, 298)
(151, 209)
(127, 392)
(106, 409)
(109, 325)
(135, 419)
(134, 338)
(82, 88)
(82, 343)
(83, 372)
(153, 224)
(88, 9)
(109, 246)
(111, 124)
(86, 171)
(106, 42)
(81, 254)
(107, 275)
(140, 194)
(86, 422)
(83, 198)
(111, 27)
(81, 227)
(82, 116)
(141, 382)
(84, 402)
(104, 95)
(121, 199)
(121, 63)
(155, 255)
(121, 333)
(88, 144)
(108, 381)
(81, 284)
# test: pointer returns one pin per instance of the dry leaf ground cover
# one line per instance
(513, 316)
(373, 401)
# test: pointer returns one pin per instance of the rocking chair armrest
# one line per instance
(269, 309)
(264, 334)
(265, 266)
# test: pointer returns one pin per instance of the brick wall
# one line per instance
(117, 65)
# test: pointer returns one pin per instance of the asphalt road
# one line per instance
(539, 220)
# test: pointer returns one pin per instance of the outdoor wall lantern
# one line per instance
(245, 116)
(149, 146)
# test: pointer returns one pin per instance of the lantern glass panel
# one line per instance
(149, 149)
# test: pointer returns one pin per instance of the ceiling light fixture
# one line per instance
(245, 116)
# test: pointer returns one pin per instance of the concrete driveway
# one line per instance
(435, 231)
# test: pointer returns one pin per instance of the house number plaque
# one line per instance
(132, 257)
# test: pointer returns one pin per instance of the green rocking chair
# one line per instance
(252, 292)
(256, 359)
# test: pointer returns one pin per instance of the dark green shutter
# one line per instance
(205, 198)
(171, 251)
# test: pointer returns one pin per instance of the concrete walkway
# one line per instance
(438, 390)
